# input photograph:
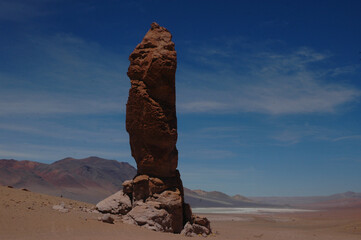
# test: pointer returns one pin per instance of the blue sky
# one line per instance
(268, 92)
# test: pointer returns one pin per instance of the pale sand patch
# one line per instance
(27, 215)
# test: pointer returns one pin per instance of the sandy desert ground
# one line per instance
(28, 215)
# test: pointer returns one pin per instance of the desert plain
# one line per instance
(29, 215)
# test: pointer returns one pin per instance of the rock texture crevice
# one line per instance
(155, 197)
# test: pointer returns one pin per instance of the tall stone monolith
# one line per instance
(151, 114)
(154, 198)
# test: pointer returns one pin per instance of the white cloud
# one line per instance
(292, 134)
(17, 103)
(99, 134)
(202, 106)
(351, 137)
(71, 63)
(272, 83)
(209, 154)
(344, 70)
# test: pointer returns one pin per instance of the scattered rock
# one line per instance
(10, 186)
(152, 217)
(118, 203)
(57, 207)
(156, 185)
(61, 208)
(202, 221)
(127, 186)
(169, 199)
(258, 236)
(128, 220)
(191, 230)
(88, 210)
(188, 230)
(107, 218)
(197, 226)
(141, 187)
(26, 190)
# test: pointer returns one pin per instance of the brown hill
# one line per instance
(90, 179)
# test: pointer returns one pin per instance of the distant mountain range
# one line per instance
(90, 179)
(200, 198)
(93, 179)
(340, 200)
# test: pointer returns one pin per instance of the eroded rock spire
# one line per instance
(151, 114)
(154, 198)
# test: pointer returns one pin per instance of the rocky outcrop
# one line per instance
(151, 115)
(118, 203)
(155, 197)
(151, 202)
(197, 226)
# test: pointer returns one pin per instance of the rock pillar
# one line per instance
(154, 198)
(151, 114)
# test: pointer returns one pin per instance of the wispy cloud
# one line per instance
(99, 134)
(20, 10)
(209, 154)
(67, 62)
(66, 75)
(351, 137)
(295, 134)
(264, 82)
(67, 99)
(6, 154)
(289, 134)
(289, 137)
(344, 70)
(228, 133)
(17, 103)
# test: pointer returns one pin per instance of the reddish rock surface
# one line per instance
(151, 114)
(156, 194)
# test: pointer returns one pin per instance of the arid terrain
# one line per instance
(29, 215)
